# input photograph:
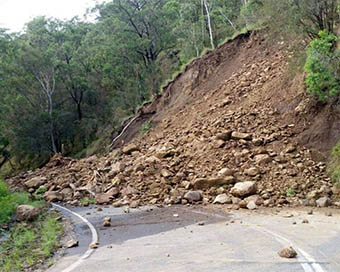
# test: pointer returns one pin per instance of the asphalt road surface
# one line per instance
(196, 239)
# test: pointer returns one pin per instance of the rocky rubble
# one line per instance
(224, 147)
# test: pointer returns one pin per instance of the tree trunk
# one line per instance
(79, 111)
(209, 25)
(4, 160)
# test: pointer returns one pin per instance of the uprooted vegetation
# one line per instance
(232, 116)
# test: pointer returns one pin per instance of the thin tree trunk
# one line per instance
(4, 160)
(226, 17)
(202, 21)
(80, 113)
(209, 25)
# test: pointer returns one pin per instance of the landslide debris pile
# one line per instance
(223, 145)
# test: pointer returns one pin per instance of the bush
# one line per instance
(9, 203)
(321, 66)
(3, 189)
(334, 165)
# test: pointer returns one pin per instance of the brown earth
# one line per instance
(234, 115)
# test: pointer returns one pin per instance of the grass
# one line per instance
(29, 244)
(87, 201)
(10, 201)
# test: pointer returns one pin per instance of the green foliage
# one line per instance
(335, 174)
(9, 203)
(29, 244)
(146, 126)
(334, 165)
(3, 189)
(39, 193)
(336, 151)
(87, 201)
(290, 192)
(322, 67)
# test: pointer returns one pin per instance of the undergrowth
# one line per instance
(10, 201)
(334, 165)
(29, 244)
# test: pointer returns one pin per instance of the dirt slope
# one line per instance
(233, 115)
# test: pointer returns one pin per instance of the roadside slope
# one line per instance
(235, 114)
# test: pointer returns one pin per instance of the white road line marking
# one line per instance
(94, 238)
(311, 266)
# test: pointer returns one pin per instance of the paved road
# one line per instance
(155, 240)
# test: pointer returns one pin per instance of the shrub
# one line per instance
(3, 189)
(322, 69)
(146, 126)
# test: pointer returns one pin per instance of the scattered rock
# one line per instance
(240, 136)
(225, 136)
(94, 245)
(226, 172)
(128, 149)
(310, 212)
(243, 189)
(165, 173)
(103, 198)
(323, 202)
(53, 196)
(205, 183)
(222, 199)
(305, 221)
(72, 243)
(290, 148)
(201, 223)
(107, 222)
(193, 196)
(262, 159)
(35, 182)
(253, 171)
(251, 205)
(288, 252)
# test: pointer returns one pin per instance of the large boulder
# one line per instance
(53, 196)
(35, 182)
(103, 198)
(323, 202)
(244, 189)
(206, 183)
(193, 196)
(26, 213)
(117, 168)
(128, 149)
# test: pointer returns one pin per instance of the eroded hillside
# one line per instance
(234, 116)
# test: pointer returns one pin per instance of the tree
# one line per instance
(38, 57)
(306, 17)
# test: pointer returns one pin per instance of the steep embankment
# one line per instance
(233, 115)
